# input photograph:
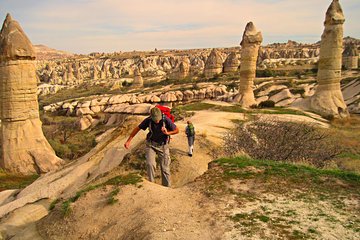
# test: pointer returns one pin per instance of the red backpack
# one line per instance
(166, 111)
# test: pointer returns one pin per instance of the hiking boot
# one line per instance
(190, 155)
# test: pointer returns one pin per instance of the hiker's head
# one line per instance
(156, 114)
(188, 122)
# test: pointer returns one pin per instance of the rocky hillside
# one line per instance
(68, 70)
(45, 53)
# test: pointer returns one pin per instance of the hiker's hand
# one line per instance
(164, 130)
(127, 145)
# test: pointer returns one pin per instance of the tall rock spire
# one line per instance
(24, 148)
(252, 39)
(328, 99)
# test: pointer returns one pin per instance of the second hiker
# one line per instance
(190, 133)
(157, 142)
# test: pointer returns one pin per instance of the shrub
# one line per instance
(231, 86)
(265, 73)
(281, 141)
(266, 104)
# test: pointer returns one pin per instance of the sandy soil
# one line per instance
(150, 211)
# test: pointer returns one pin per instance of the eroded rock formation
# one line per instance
(232, 63)
(328, 99)
(350, 56)
(250, 48)
(184, 69)
(138, 80)
(214, 64)
(24, 148)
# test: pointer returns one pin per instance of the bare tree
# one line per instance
(282, 141)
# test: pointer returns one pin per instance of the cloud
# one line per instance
(83, 26)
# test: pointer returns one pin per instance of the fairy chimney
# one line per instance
(250, 44)
(214, 64)
(138, 80)
(350, 58)
(24, 148)
(328, 99)
(232, 63)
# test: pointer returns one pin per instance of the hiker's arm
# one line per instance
(165, 131)
(132, 135)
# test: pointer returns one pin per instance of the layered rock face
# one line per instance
(232, 63)
(214, 64)
(24, 148)
(328, 99)
(250, 48)
(350, 57)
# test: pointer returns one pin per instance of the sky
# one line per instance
(85, 26)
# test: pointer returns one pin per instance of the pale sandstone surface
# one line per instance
(328, 99)
(250, 44)
(214, 64)
(138, 80)
(232, 63)
(24, 148)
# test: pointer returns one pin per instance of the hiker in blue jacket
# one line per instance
(190, 133)
(157, 142)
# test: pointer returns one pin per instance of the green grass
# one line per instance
(199, 106)
(53, 204)
(287, 170)
(354, 156)
(15, 181)
(112, 200)
(298, 183)
(130, 179)
(280, 110)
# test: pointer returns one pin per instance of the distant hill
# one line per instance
(351, 40)
(45, 53)
(348, 40)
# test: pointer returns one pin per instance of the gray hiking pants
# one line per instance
(191, 140)
(163, 151)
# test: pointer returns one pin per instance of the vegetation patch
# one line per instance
(286, 200)
(272, 140)
(15, 181)
(111, 199)
(348, 130)
(83, 90)
(292, 172)
(199, 106)
(66, 138)
(129, 179)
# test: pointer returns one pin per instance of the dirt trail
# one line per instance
(150, 211)
(210, 127)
